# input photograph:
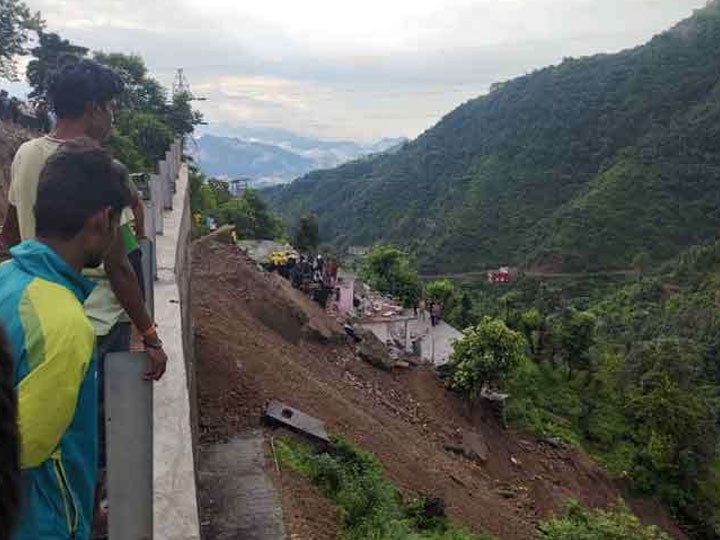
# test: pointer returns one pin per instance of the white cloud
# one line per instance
(354, 69)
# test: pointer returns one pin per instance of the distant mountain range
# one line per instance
(593, 164)
(274, 156)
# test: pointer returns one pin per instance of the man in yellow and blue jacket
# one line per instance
(79, 200)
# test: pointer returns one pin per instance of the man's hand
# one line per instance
(158, 363)
(156, 356)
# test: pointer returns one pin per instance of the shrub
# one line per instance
(370, 506)
(486, 355)
(579, 523)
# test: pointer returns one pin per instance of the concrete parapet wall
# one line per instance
(175, 515)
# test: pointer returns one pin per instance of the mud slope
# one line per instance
(258, 339)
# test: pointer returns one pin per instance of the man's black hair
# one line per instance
(79, 83)
(78, 181)
(9, 444)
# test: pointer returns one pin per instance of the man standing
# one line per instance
(82, 96)
(52, 341)
(435, 312)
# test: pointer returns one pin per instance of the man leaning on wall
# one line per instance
(82, 95)
(52, 342)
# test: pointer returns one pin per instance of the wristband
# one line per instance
(155, 345)
(150, 331)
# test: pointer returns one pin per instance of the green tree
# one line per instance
(123, 149)
(141, 92)
(465, 316)
(16, 23)
(251, 217)
(51, 54)
(180, 116)
(443, 291)
(574, 335)
(390, 270)
(307, 234)
(531, 323)
(220, 189)
(486, 355)
(149, 135)
(675, 418)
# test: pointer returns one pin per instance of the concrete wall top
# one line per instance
(175, 515)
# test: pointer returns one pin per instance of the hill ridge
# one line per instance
(544, 166)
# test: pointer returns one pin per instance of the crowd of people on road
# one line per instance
(309, 271)
(70, 293)
(36, 115)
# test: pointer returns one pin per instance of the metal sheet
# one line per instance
(297, 420)
(129, 426)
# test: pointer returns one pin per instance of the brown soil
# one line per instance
(254, 344)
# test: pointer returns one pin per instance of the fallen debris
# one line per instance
(473, 446)
(506, 493)
(372, 350)
(403, 416)
(280, 413)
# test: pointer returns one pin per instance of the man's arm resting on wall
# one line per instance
(139, 214)
(124, 283)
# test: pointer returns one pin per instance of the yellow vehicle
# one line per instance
(279, 258)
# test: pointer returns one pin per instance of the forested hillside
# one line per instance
(591, 164)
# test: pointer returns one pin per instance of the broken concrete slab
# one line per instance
(372, 350)
(282, 414)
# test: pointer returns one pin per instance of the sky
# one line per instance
(358, 70)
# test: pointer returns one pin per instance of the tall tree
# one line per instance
(390, 270)
(141, 92)
(51, 54)
(181, 116)
(16, 23)
(251, 217)
(486, 355)
(307, 234)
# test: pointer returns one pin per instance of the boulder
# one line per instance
(472, 446)
(372, 350)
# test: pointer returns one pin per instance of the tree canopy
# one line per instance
(50, 54)
(486, 355)
(391, 271)
(16, 23)
(307, 234)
